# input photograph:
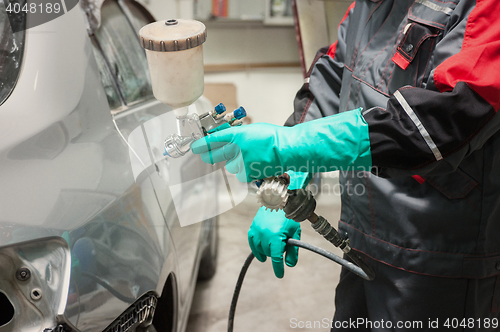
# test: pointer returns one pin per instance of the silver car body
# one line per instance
(94, 237)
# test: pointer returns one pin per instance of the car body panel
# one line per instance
(66, 171)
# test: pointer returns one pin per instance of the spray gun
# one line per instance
(192, 127)
(174, 50)
(299, 205)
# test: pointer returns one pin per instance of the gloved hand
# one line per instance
(258, 151)
(267, 236)
(269, 230)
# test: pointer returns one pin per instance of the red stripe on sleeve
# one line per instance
(478, 62)
(332, 50)
(333, 47)
(418, 178)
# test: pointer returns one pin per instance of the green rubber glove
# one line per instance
(258, 151)
(267, 236)
(269, 230)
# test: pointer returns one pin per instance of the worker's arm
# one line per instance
(423, 131)
(261, 150)
(253, 152)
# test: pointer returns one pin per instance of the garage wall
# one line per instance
(235, 41)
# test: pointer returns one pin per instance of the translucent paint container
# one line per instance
(174, 49)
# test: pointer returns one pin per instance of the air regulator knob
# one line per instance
(240, 113)
(219, 109)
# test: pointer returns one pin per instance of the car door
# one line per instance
(144, 123)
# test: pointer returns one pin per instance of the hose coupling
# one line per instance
(323, 227)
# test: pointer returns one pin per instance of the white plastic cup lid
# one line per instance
(173, 35)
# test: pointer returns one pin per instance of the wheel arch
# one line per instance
(167, 309)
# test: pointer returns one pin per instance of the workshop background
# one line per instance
(255, 57)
